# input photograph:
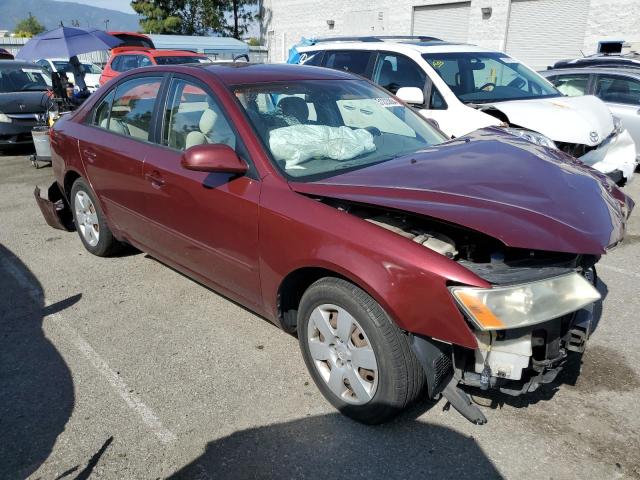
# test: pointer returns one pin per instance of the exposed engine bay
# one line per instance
(512, 361)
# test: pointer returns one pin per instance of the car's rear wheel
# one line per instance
(90, 221)
(361, 362)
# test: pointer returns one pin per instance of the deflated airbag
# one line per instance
(298, 143)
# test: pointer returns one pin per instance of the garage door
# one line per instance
(542, 32)
(449, 22)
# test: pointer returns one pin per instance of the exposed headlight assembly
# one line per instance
(533, 137)
(526, 304)
(4, 118)
(617, 126)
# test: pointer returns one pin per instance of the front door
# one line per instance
(206, 223)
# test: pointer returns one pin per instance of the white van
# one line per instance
(465, 87)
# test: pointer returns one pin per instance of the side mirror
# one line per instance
(411, 95)
(214, 157)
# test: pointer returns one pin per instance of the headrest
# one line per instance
(294, 107)
(208, 121)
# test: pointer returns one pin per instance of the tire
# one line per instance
(90, 222)
(329, 305)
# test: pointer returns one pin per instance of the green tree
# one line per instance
(29, 27)
(158, 16)
(242, 13)
(196, 17)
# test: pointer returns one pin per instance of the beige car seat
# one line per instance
(206, 125)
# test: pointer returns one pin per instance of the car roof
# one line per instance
(19, 63)
(434, 46)
(234, 73)
(156, 52)
(591, 70)
(243, 73)
(61, 59)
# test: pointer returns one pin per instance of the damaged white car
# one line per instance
(465, 87)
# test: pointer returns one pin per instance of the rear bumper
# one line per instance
(55, 208)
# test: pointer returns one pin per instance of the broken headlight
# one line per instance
(516, 306)
(533, 137)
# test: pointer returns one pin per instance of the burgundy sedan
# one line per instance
(408, 264)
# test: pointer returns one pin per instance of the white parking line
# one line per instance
(619, 270)
(149, 418)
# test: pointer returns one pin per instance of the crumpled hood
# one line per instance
(562, 119)
(33, 102)
(522, 194)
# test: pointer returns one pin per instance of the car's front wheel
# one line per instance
(90, 221)
(361, 362)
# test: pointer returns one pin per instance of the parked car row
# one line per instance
(24, 97)
(407, 262)
(465, 87)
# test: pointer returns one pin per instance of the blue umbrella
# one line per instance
(64, 42)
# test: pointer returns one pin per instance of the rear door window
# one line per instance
(618, 89)
(132, 107)
(353, 61)
(393, 71)
(100, 117)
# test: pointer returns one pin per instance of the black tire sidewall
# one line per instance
(386, 402)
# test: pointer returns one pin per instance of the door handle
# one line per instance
(155, 178)
(90, 155)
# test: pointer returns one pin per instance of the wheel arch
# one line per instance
(69, 178)
(296, 282)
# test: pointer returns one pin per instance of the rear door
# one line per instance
(118, 137)
(621, 93)
(206, 223)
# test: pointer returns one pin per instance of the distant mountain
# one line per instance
(50, 13)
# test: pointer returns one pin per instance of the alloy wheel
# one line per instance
(342, 354)
(87, 218)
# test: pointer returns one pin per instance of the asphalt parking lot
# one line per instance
(123, 368)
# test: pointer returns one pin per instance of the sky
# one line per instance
(125, 6)
(122, 5)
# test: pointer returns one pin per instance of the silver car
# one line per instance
(619, 88)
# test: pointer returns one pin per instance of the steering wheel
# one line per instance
(488, 84)
(374, 131)
(517, 83)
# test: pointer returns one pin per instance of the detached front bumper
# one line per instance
(55, 208)
(615, 157)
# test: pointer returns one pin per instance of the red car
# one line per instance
(123, 59)
(407, 263)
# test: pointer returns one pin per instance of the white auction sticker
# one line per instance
(386, 102)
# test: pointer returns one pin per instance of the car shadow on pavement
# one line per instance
(36, 388)
(332, 446)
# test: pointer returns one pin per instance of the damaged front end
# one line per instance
(55, 208)
(538, 309)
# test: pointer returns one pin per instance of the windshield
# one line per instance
(319, 128)
(176, 60)
(479, 77)
(20, 79)
(64, 66)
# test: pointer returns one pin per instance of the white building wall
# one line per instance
(613, 20)
(284, 22)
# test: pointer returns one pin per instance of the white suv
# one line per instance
(465, 87)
